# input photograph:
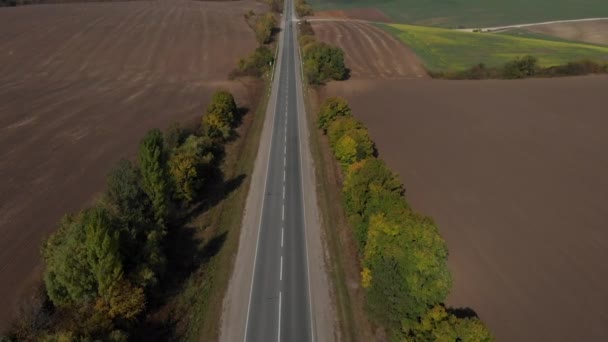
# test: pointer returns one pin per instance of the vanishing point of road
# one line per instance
(273, 296)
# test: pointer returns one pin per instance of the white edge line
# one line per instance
(263, 204)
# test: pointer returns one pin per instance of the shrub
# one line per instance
(257, 64)
(276, 5)
(223, 104)
(305, 28)
(331, 109)
(523, 67)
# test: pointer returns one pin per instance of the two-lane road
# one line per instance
(279, 289)
(279, 305)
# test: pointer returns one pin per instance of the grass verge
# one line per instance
(449, 50)
(343, 260)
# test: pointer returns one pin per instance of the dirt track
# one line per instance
(595, 32)
(370, 52)
(79, 86)
(514, 173)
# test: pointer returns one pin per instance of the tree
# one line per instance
(439, 325)
(257, 63)
(189, 165)
(264, 27)
(152, 162)
(140, 236)
(331, 109)
(339, 126)
(102, 246)
(174, 136)
(355, 145)
(407, 259)
(323, 62)
(82, 258)
(123, 300)
(223, 105)
(216, 128)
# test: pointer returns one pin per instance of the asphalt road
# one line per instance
(279, 306)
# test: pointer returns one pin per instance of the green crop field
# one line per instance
(449, 50)
(474, 13)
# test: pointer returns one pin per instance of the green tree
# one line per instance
(223, 104)
(82, 258)
(331, 109)
(363, 180)
(141, 237)
(152, 162)
(439, 325)
(174, 136)
(188, 166)
(102, 246)
(258, 63)
(354, 146)
(407, 260)
(323, 62)
(339, 126)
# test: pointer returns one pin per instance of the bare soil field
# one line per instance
(514, 173)
(79, 86)
(595, 32)
(369, 14)
(369, 51)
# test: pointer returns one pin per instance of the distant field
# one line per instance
(474, 13)
(594, 32)
(449, 50)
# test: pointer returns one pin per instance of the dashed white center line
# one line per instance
(282, 234)
(281, 271)
(283, 175)
(284, 164)
(283, 212)
(283, 192)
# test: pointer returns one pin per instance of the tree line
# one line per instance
(261, 60)
(525, 67)
(103, 266)
(321, 62)
(403, 257)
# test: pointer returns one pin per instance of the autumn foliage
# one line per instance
(403, 257)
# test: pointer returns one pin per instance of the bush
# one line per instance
(305, 28)
(331, 109)
(323, 62)
(257, 64)
(276, 5)
(523, 67)
(264, 27)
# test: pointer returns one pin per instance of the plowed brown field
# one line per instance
(595, 32)
(370, 52)
(514, 173)
(79, 86)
